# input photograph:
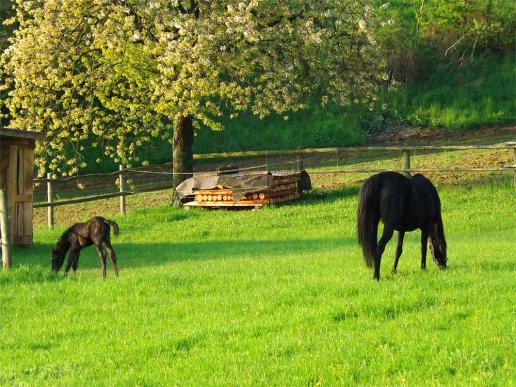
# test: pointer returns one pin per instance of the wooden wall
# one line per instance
(16, 171)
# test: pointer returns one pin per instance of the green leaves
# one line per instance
(119, 72)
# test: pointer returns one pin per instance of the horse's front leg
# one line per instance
(68, 264)
(70, 261)
(399, 250)
(102, 255)
(75, 262)
(424, 242)
(386, 236)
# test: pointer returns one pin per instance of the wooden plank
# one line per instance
(291, 184)
(29, 172)
(20, 173)
(25, 238)
(252, 202)
(12, 186)
(16, 133)
(282, 180)
(214, 191)
(220, 204)
(98, 197)
(4, 165)
(18, 223)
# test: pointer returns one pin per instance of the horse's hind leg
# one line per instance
(75, 262)
(102, 255)
(386, 236)
(112, 255)
(399, 250)
(424, 242)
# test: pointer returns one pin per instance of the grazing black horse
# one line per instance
(403, 204)
(95, 231)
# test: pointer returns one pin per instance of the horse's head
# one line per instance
(58, 255)
(438, 250)
(57, 260)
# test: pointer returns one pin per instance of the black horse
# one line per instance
(95, 231)
(403, 204)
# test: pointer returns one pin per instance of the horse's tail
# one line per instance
(112, 223)
(368, 218)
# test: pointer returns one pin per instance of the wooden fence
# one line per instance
(299, 154)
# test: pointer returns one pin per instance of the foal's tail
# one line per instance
(113, 224)
(368, 218)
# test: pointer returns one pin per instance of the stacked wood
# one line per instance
(283, 187)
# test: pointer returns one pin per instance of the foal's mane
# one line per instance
(63, 244)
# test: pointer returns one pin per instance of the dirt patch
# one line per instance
(429, 136)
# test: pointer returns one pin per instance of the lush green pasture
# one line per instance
(276, 296)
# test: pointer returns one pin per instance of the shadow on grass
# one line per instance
(320, 196)
(131, 255)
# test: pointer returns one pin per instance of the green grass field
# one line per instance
(278, 296)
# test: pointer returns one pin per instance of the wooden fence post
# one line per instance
(122, 187)
(514, 151)
(406, 156)
(300, 161)
(5, 230)
(50, 199)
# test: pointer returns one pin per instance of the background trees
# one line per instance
(117, 73)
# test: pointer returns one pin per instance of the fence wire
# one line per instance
(327, 170)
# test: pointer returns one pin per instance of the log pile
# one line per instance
(282, 187)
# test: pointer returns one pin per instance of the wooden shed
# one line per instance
(16, 173)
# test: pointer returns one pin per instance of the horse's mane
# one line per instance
(63, 243)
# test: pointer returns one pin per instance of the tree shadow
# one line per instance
(134, 255)
(330, 196)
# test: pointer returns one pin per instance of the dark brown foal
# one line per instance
(95, 231)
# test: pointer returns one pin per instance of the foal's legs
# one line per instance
(75, 262)
(72, 256)
(399, 250)
(102, 255)
(424, 242)
(386, 236)
(112, 255)
(68, 263)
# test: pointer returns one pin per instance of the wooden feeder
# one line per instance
(16, 173)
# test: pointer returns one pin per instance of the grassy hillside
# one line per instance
(479, 95)
(278, 296)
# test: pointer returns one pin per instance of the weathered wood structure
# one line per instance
(16, 174)
(279, 187)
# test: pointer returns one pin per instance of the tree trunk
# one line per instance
(182, 155)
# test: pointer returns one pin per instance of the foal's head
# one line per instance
(59, 254)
